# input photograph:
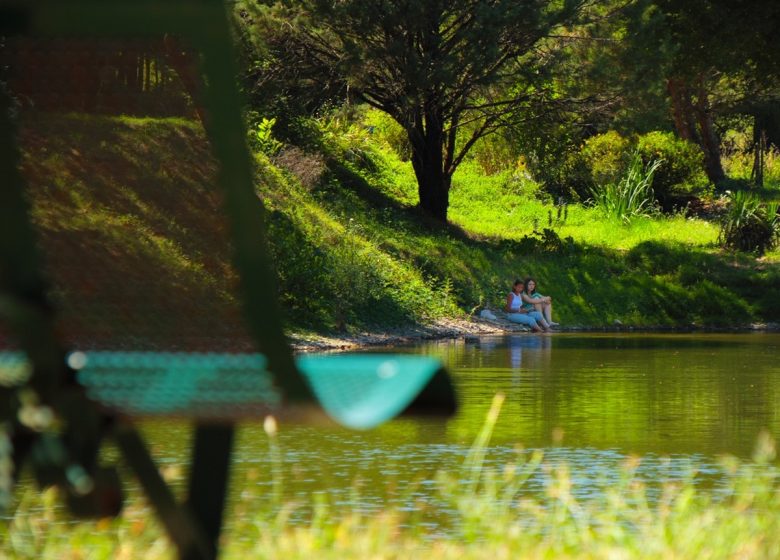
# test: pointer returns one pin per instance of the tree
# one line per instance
(710, 53)
(437, 67)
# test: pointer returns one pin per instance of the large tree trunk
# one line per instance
(710, 143)
(682, 109)
(433, 182)
(693, 122)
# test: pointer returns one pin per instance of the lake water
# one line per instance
(677, 401)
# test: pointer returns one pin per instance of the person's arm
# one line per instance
(528, 299)
(508, 306)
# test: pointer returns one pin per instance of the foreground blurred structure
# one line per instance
(58, 404)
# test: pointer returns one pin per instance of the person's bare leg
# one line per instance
(548, 315)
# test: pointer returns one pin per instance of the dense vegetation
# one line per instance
(600, 149)
(545, 77)
(352, 251)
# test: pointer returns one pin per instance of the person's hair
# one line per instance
(529, 279)
(518, 282)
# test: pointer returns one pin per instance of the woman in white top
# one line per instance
(517, 314)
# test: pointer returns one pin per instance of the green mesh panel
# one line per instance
(363, 390)
(179, 384)
(357, 390)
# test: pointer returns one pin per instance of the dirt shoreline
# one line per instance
(471, 327)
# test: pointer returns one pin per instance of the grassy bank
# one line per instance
(131, 227)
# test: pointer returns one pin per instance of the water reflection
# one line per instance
(704, 394)
(677, 401)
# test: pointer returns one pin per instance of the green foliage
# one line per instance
(387, 130)
(301, 270)
(632, 196)
(750, 225)
(601, 160)
(739, 158)
(261, 136)
(387, 267)
(679, 176)
(604, 156)
(493, 153)
(395, 55)
(597, 168)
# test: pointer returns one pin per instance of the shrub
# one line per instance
(680, 176)
(750, 225)
(261, 137)
(630, 197)
(604, 155)
(599, 161)
(494, 153)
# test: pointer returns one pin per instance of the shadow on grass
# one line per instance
(654, 284)
(129, 218)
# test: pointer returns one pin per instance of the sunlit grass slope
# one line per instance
(662, 271)
(130, 220)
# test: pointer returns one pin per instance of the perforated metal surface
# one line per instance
(356, 390)
(364, 390)
(178, 384)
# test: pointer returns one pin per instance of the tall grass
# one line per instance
(632, 196)
(492, 514)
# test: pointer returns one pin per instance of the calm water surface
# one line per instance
(677, 401)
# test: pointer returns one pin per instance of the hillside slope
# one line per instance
(136, 247)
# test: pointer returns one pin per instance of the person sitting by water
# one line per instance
(534, 301)
(517, 314)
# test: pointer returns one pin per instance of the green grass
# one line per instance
(137, 247)
(503, 206)
(491, 514)
(664, 271)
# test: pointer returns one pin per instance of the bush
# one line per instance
(604, 155)
(750, 225)
(604, 159)
(680, 176)
(261, 137)
(599, 161)
(494, 153)
(568, 179)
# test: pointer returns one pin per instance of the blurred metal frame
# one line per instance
(24, 305)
